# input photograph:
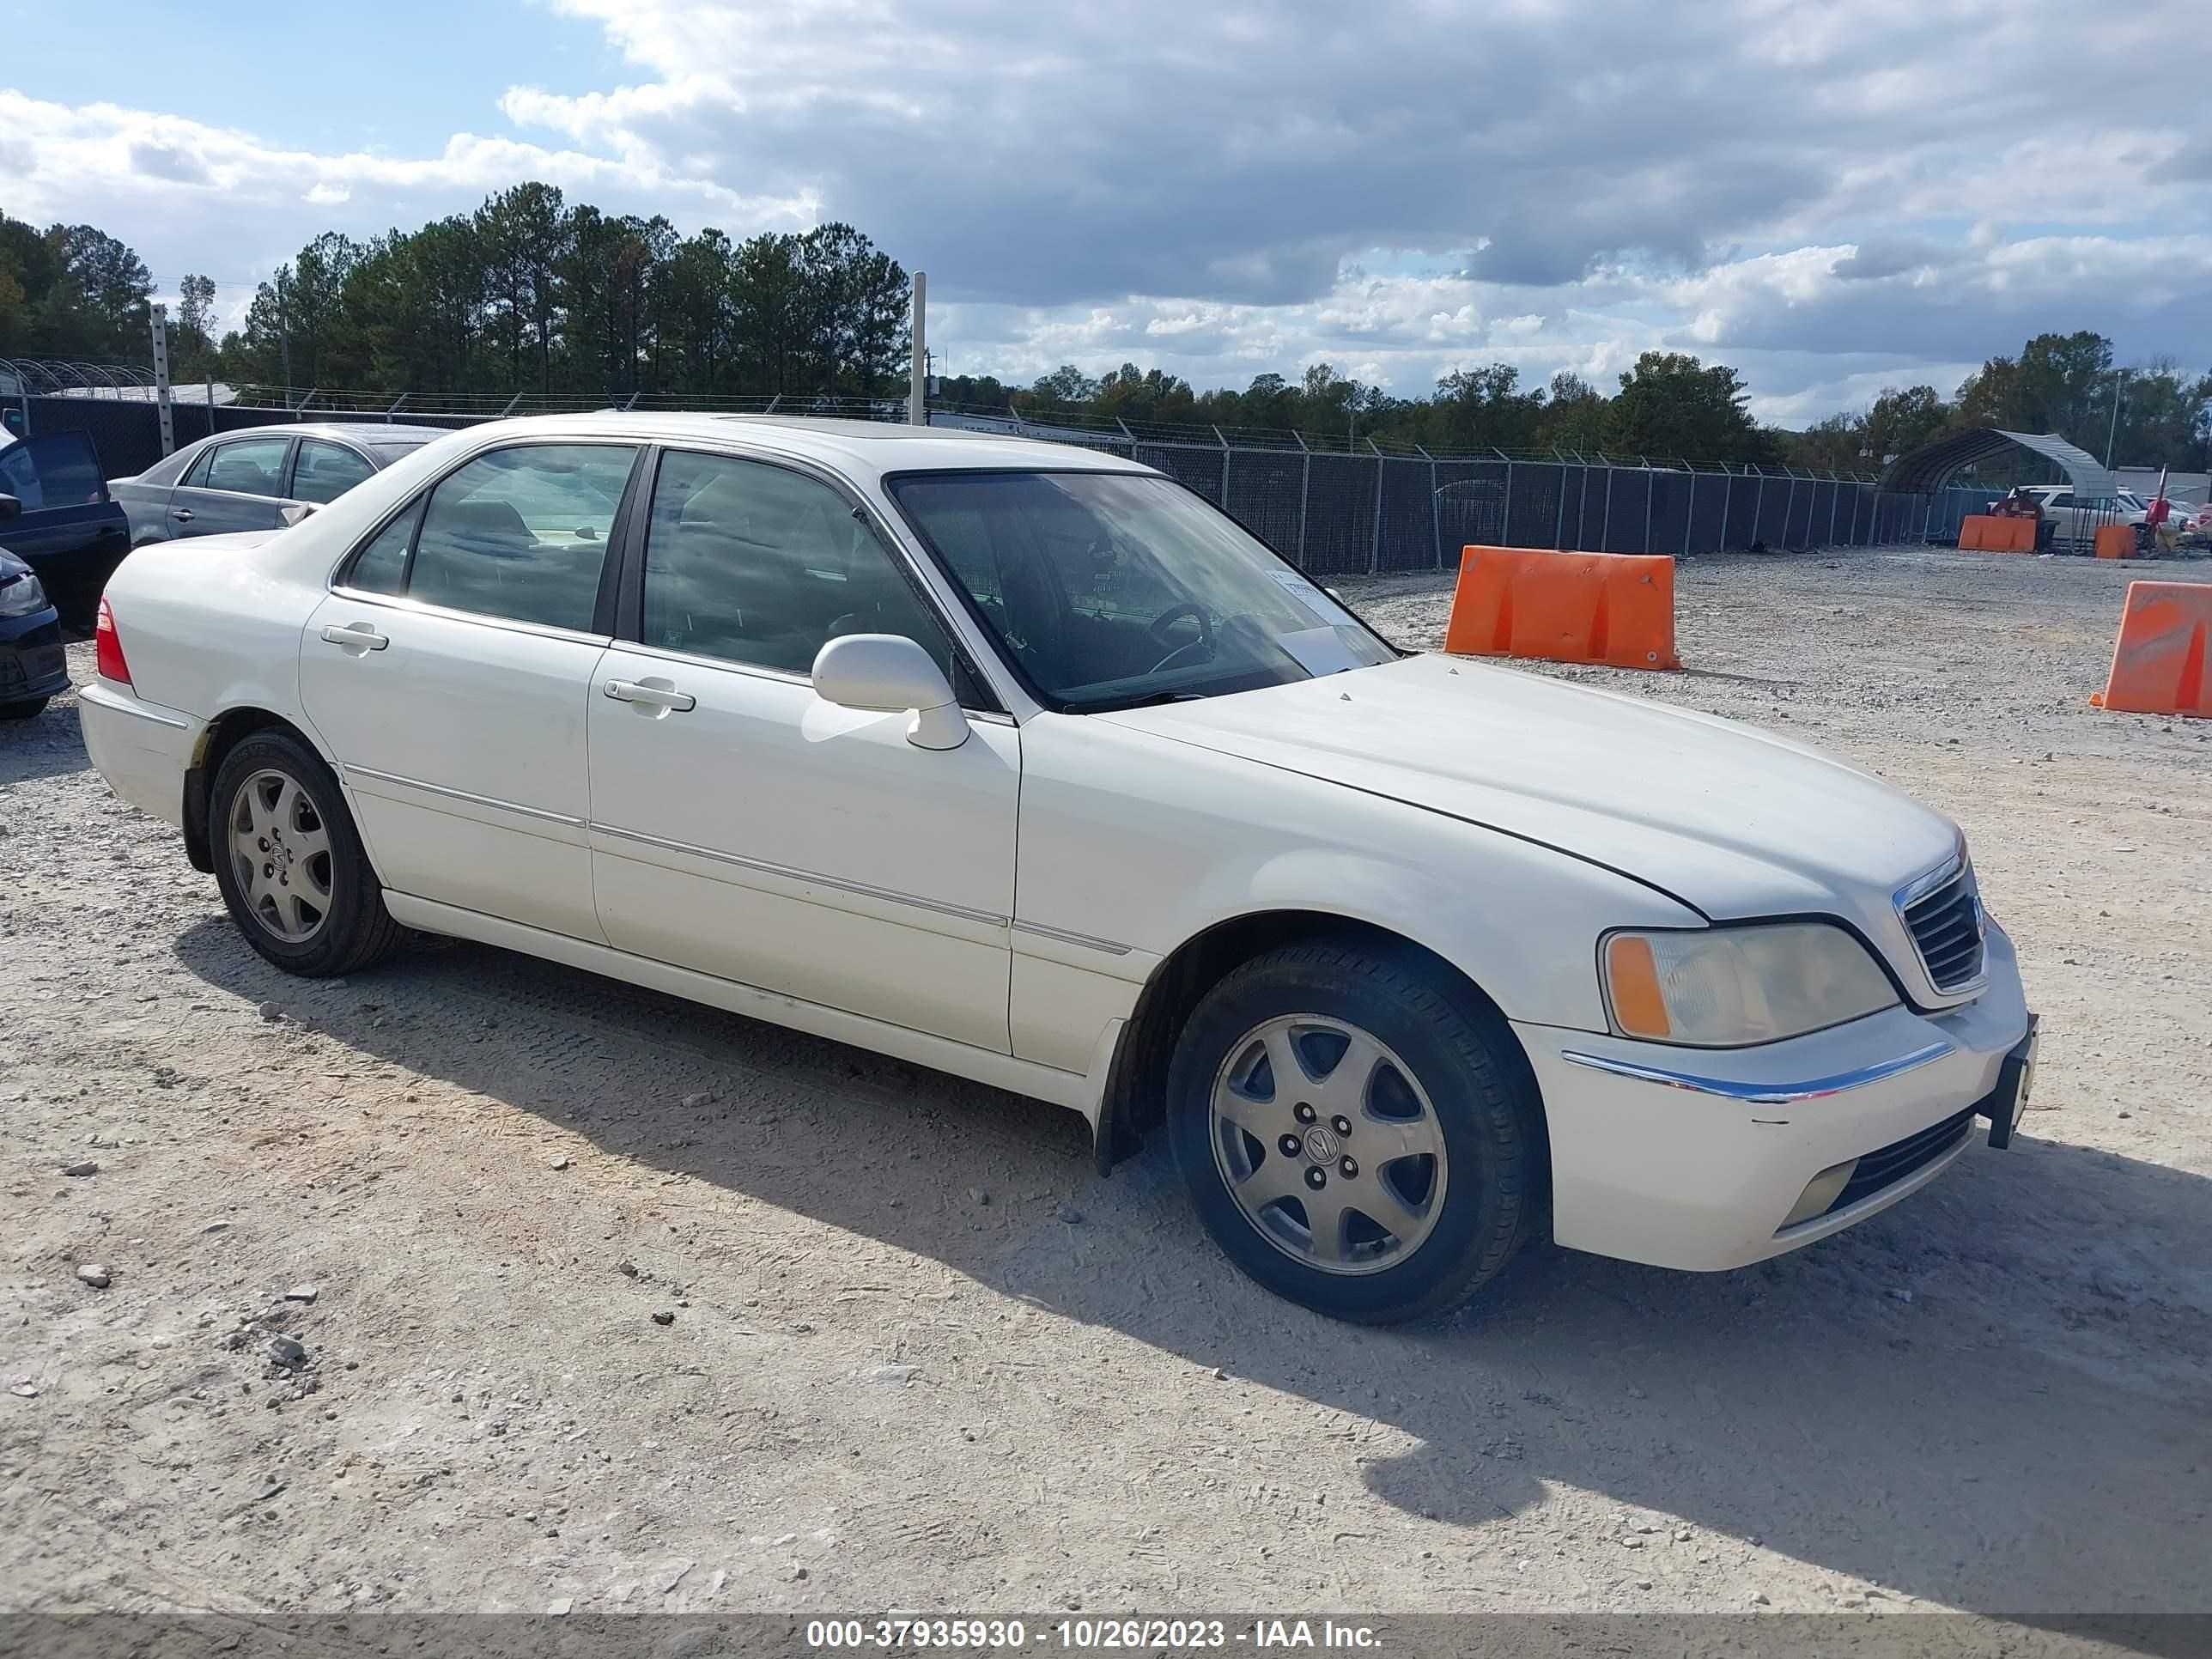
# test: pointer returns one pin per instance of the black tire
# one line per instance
(355, 931)
(1462, 1057)
(23, 711)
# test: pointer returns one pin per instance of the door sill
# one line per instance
(1022, 1077)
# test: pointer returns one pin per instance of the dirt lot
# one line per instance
(921, 1355)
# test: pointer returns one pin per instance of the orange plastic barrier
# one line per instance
(1985, 532)
(1617, 609)
(2117, 541)
(2158, 662)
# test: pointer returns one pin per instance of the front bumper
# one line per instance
(142, 749)
(32, 663)
(1706, 1176)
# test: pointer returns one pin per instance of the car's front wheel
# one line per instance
(29, 710)
(290, 863)
(1357, 1132)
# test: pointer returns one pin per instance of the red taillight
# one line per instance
(107, 650)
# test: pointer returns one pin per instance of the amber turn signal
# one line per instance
(1637, 1007)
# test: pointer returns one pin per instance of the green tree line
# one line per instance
(2154, 414)
(532, 293)
(528, 293)
(1669, 403)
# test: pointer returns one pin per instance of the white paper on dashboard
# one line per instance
(1318, 650)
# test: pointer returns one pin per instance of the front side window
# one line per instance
(759, 565)
(252, 466)
(519, 533)
(1111, 589)
(325, 471)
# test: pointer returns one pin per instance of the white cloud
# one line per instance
(1824, 195)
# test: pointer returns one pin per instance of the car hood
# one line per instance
(1732, 821)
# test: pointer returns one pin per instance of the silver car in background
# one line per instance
(248, 479)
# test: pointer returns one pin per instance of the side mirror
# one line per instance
(888, 673)
(296, 513)
(10, 508)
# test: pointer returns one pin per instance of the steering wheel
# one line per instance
(1157, 628)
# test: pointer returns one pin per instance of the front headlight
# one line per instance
(21, 597)
(1726, 988)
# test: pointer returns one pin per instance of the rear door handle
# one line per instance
(657, 694)
(357, 636)
(181, 514)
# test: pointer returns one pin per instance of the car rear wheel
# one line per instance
(290, 863)
(23, 711)
(1357, 1131)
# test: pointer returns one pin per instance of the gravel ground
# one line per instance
(607, 1301)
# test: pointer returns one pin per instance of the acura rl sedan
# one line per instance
(1024, 763)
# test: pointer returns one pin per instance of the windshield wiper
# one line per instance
(1147, 700)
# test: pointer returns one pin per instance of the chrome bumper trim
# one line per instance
(1763, 1094)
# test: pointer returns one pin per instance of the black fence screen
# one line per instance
(1331, 514)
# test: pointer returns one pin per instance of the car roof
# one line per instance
(369, 433)
(872, 448)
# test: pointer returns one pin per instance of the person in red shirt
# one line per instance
(2154, 520)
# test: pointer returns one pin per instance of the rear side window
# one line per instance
(382, 567)
(252, 466)
(521, 533)
(59, 469)
(325, 471)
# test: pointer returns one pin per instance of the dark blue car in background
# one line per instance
(57, 516)
(32, 668)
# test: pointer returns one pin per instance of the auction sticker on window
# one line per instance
(1310, 596)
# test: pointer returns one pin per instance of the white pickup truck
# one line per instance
(2079, 518)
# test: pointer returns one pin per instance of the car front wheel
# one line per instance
(23, 711)
(1357, 1130)
(290, 863)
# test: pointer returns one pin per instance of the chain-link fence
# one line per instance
(1334, 507)
(1343, 511)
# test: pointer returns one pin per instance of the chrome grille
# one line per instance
(1946, 925)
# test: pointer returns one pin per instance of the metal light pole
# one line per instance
(2112, 432)
(917, 390)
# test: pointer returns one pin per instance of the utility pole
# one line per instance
(284, 330)
(2112, 432)
(161, 379)
(917, 390)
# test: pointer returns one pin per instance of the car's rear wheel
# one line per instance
(290, 863)
(1357, 1130)
(29, 710)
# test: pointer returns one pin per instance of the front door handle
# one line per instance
(654, 697)
(181, 514)
(355, 636)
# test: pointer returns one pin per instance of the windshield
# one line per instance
(1111, 589)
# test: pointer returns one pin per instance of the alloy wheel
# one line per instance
(1328, 1144)
(280, 852)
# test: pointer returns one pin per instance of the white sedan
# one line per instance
(1023, 761)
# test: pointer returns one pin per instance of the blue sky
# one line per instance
(1828, 194)
(308, 74)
